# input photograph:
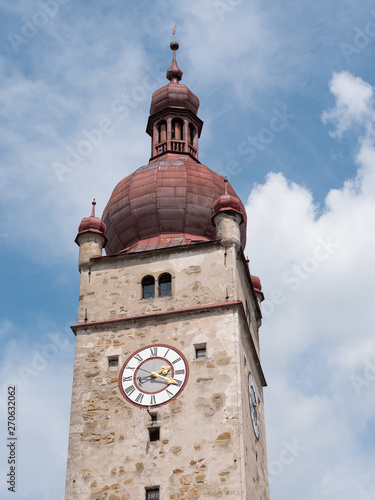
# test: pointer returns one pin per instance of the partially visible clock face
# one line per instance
(254, 409)
(153, 375)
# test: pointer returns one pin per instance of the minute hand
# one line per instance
(169, 380)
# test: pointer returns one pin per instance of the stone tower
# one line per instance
(168, 386)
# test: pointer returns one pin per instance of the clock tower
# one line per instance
(167, 396)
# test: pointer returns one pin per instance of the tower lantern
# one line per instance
(173, 123)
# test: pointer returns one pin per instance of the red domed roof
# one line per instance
(91, 224)
(167, 202)
(174, 95)
(228, 203)
(256, 283)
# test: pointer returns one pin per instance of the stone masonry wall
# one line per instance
(113, 287)
(199, 452)
(207, 447)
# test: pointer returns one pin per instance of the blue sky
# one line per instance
(69, 68)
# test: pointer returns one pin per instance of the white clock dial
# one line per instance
(153, 375)
(254, 409)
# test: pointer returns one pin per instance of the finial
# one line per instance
(174, 45)
(225, 185)
(93, 208)
(174, 74)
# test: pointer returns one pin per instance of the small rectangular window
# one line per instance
(152, 493)
(112, 361)
(200, 351)
(154, 433)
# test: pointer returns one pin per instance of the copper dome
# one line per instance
(167, 202)
(91, 224)
(174, 95)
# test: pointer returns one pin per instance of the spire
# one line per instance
(225, 185)
(93, 208)
(174, 73)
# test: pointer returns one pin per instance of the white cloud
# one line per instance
(41, 371)
(354, 103)
(317, 274)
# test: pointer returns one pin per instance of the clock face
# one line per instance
(254, 406)
(153, 375)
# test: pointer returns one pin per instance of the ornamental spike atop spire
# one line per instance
(174, 73)
(93, 208)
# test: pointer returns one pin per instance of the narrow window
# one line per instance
(162, 132)
(165, 285)
(200, 351)
(191, 134)
(154, 416)
(148, 287)
(154, 433)
(177, 130)
(153, 493)
(112, 361)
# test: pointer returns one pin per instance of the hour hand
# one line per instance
(163, 369)
(169, 380)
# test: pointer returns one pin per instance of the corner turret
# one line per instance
(90, 239)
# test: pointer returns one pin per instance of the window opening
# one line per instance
(148, 287)
(162, 132)
(191, 134)
(200, 351)
(152, 493)
(112, 361)
(177, 130)
(165, 284)
(154, 433)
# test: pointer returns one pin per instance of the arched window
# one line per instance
(165, 285)
(191, 134)
(148, 287)
(177, 130)
(162, 132)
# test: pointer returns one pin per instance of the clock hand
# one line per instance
(164, 370)
(169, 380)
(142, 380)
(143, 370)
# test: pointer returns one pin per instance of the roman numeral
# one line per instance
(166, 352)
(179, 372)
(170, 394)
(153, 400)
(129, 390)
(178, 382)
(127, 379)
(139, 398)
(138, 358)
(154, 351)
(176, 361)
(130, 368)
